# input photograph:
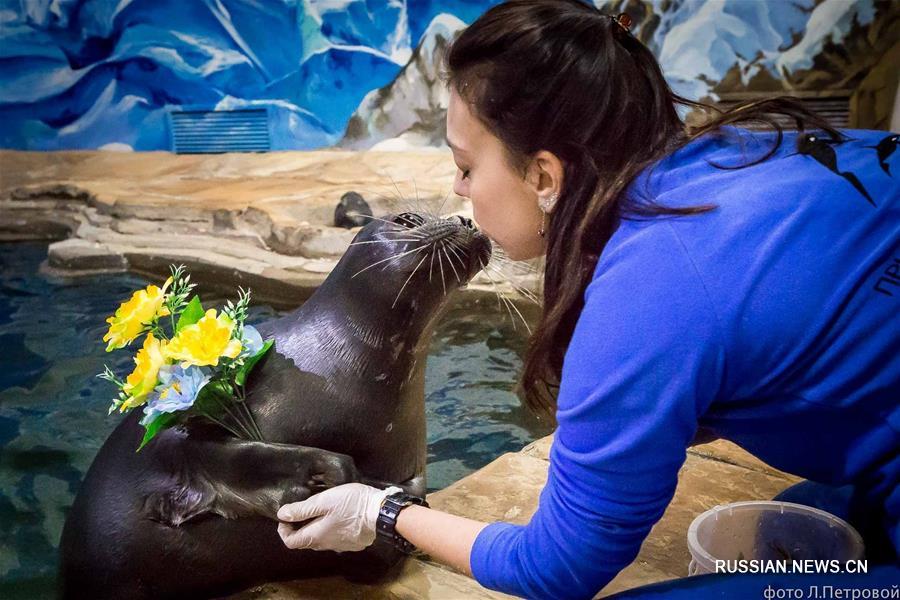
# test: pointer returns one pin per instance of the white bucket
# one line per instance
(769, 530)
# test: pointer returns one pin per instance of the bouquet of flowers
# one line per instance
(193, 362)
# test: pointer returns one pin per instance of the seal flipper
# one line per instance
(216, 474)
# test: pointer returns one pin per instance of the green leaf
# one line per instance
(250, 362)
(155, 426)
(211, 398)
(193, 312)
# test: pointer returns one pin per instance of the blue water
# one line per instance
(53, 409)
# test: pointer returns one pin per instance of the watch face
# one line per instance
(404, 499)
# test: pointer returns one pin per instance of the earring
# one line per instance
(546, 205)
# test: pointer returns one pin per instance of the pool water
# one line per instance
(53, 410)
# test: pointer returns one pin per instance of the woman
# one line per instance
(743, 285)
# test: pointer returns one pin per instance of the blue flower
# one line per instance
(177, 390)
(252, 341)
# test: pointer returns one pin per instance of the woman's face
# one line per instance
(504, 204)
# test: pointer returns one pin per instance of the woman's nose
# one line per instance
(459, 188)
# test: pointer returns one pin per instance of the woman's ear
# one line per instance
(545, 177)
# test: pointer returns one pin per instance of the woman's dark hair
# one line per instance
(561, 76)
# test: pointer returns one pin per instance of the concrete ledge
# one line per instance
(416, 579)
(237, 219)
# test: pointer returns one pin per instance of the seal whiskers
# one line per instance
(389, 258)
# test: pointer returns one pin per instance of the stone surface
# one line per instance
(415, 579)
(507, 489)
(264, 217)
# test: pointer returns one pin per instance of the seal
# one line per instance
(339, 398)
(352, 211)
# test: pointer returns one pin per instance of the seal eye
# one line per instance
(410, 220)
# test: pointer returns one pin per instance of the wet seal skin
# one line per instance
(340, 398)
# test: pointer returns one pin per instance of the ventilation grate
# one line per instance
(834, 109)
(216, 131)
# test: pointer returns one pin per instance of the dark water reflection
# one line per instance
(53, 409)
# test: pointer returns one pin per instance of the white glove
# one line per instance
(343, 518)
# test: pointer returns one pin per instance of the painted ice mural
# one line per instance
(84, 74)
(700, 41)
(79, 74)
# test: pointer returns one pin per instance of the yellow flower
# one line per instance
(204, 342)
(133, 314)
(143, 379)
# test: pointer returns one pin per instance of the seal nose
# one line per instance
(468, 223)
(479, 248)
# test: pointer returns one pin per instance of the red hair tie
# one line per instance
(624, 21)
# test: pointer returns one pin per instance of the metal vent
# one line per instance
(834, 108)
(216, 131)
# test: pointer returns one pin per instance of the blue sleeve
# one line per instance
(644, 362)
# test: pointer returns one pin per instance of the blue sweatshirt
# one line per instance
(773, 320)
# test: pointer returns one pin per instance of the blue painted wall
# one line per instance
(85, 74)
(89, 73)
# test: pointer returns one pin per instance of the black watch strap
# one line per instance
(386, 525)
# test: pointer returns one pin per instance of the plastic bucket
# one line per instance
(769, 530)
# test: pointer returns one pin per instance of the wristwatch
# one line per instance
(386, 525)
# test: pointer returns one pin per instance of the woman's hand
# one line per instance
(341, 518)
